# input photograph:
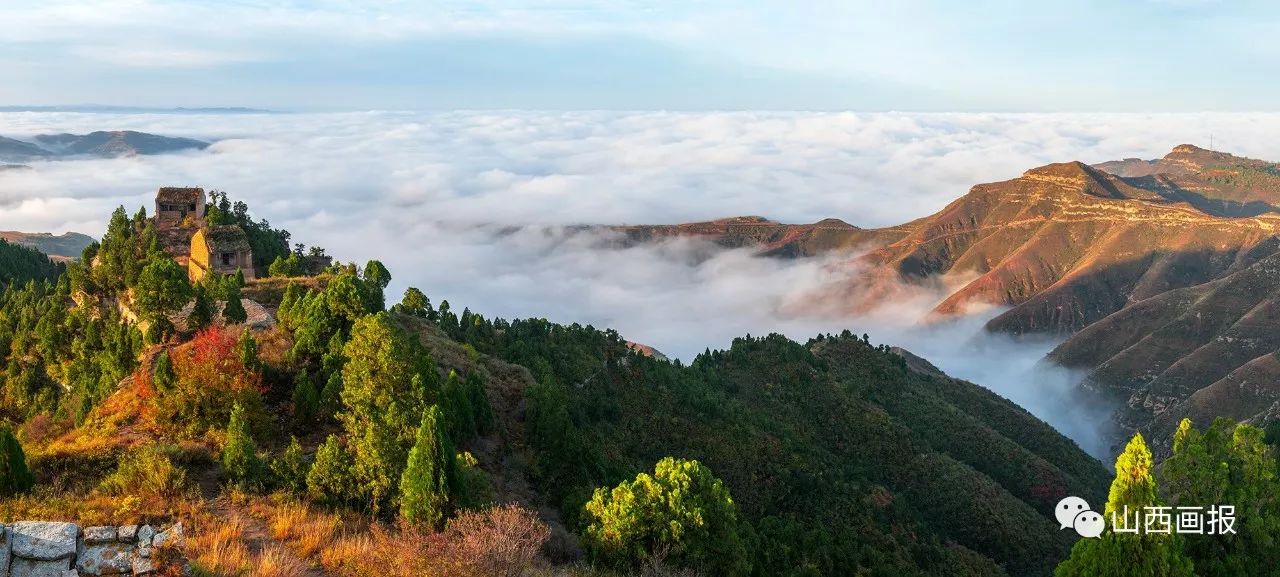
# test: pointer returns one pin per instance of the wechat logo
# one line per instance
(1074, 512)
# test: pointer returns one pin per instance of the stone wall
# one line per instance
(53, 549)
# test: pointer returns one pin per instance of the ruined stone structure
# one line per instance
(174, 205)
(186, 236)
(54, 549)
(220, 250)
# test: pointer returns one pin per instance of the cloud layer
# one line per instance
(428, 193)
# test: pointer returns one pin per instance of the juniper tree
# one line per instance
(233, 312)
(424, 486)
(240, 454)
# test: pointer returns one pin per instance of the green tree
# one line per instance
(306, 399)
(290, 468)
(201, 309)
(682, 510)
(162, 375)
(350, 298)
(233, 312)
(162, 289)
(387, 381)
(330, 480)
(414, 303)
(424, 487)
(1228, 464)
(240, 455)
(15, 477)
(247, 350)
(1123, 554)
(377, 277)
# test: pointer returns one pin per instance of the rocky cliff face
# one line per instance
(1162, 275)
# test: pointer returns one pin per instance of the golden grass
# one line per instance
(275, 561)
(307, 532)
(220, 548)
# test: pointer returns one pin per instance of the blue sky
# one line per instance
(1005, 55)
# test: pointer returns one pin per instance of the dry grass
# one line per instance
(307, 532)
(275, 561)
(219, 548)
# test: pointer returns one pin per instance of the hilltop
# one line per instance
(100, 144)
(65, 246)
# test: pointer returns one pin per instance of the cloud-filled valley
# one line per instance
(432, 195)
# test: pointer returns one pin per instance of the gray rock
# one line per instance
(71, 573)
(145, 534)
(143, 566)
(4, 549)
(99, 535)
(112, 559)
(44, 541)
(171, 537)
(127, 533)
(39, 568)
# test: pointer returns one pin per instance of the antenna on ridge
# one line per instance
(1211, 141)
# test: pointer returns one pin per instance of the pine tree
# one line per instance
(15, 477)
(233, 312)
(201, 309)
(1143, 554)
(330, 479)
(424, 487)
(240, 454)
(306, 399)
(387, 380)
(290, 468)
(1227, 464)
(162, 375)
(247, 350)
(377, 277)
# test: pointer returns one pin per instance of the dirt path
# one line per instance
(256, 536)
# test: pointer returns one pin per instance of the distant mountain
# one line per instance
(64, 246)
(116, 143)
(772, 238)
(1162, 275)
(11, 149)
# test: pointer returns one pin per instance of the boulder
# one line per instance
(143, 566)
(171, 537)
(109, 559)
(4, 548)
(99, 535)
(145, 533)
(127, 533)
(44, 540)
(39, 568)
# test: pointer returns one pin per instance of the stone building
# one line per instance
(220, 250)
(175, 204)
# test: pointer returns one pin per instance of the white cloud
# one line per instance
(409, 188)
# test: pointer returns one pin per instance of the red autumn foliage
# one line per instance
(211, 379)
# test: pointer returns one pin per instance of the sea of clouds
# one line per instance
(435, 194)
